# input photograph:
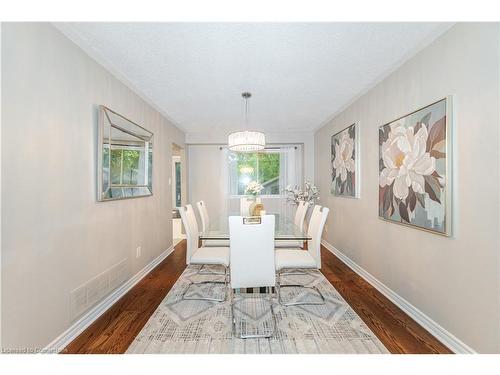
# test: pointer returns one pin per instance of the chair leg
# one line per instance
(225, 274)
(279, 286)
(254, 336)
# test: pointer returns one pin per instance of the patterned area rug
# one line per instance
(198, 327)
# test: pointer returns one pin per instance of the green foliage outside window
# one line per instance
(263, 167)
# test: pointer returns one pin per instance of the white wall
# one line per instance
(55, 235)
(455, 281)
(206, 179)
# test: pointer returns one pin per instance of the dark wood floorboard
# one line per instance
(115, 330)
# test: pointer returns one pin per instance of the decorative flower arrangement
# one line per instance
(254, 188)
(309, 195)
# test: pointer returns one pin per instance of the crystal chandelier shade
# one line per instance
(246, 140)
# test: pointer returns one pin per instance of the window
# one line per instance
(124, 165)
(274, 168)
(263, 167)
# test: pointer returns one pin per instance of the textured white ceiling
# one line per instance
(300, 74)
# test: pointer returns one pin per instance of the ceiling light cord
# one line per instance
(246, 113)
(246, 96)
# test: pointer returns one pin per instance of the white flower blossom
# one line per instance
(296, 194)
(344, 161)
(254, 188)
(406, 161)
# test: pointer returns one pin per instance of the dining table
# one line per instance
(285, 228)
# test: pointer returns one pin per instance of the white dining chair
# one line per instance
(205, 226)
(292, 262)
(300, 215)
(245, 204)
(202, 256)
(252, 265)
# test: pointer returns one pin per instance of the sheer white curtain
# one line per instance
(290, 166)
(229, 176)
(290, 174)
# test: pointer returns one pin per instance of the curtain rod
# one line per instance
(266, 148)
(225, 144)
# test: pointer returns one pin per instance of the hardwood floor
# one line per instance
(115, 330)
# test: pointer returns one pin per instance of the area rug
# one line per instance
(202, 327)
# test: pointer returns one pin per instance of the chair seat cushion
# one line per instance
(215, 243)
(289, 244)
(211, 255)
(293, 258)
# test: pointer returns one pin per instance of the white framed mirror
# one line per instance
(125, 158)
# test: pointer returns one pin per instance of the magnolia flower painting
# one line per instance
(413, 159)
(343, 159)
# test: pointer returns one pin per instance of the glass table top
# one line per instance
(285, 229)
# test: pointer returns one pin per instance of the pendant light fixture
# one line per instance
(246, 140)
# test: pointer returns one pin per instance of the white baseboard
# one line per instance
(95, 312)
(445, 337)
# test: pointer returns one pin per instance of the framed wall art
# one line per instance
(344, 162)
(415, 169)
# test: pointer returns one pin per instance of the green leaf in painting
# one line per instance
(383, 134)
(348, 183)
(385, 194)
(390, 201)
(425, 119)
(412, 200)
(352, 131)
(433, 188)
(423, 122)
(381, 165)
(381, 194)
(403, 212)
(417, 128)
(421, 199)
(437, 133)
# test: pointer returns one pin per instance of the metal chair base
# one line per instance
(225, 282)
(201, 271)
(298, 303)
(253, 336)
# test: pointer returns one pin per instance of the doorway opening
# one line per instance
(178, 192)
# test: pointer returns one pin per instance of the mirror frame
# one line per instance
(100, 148)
